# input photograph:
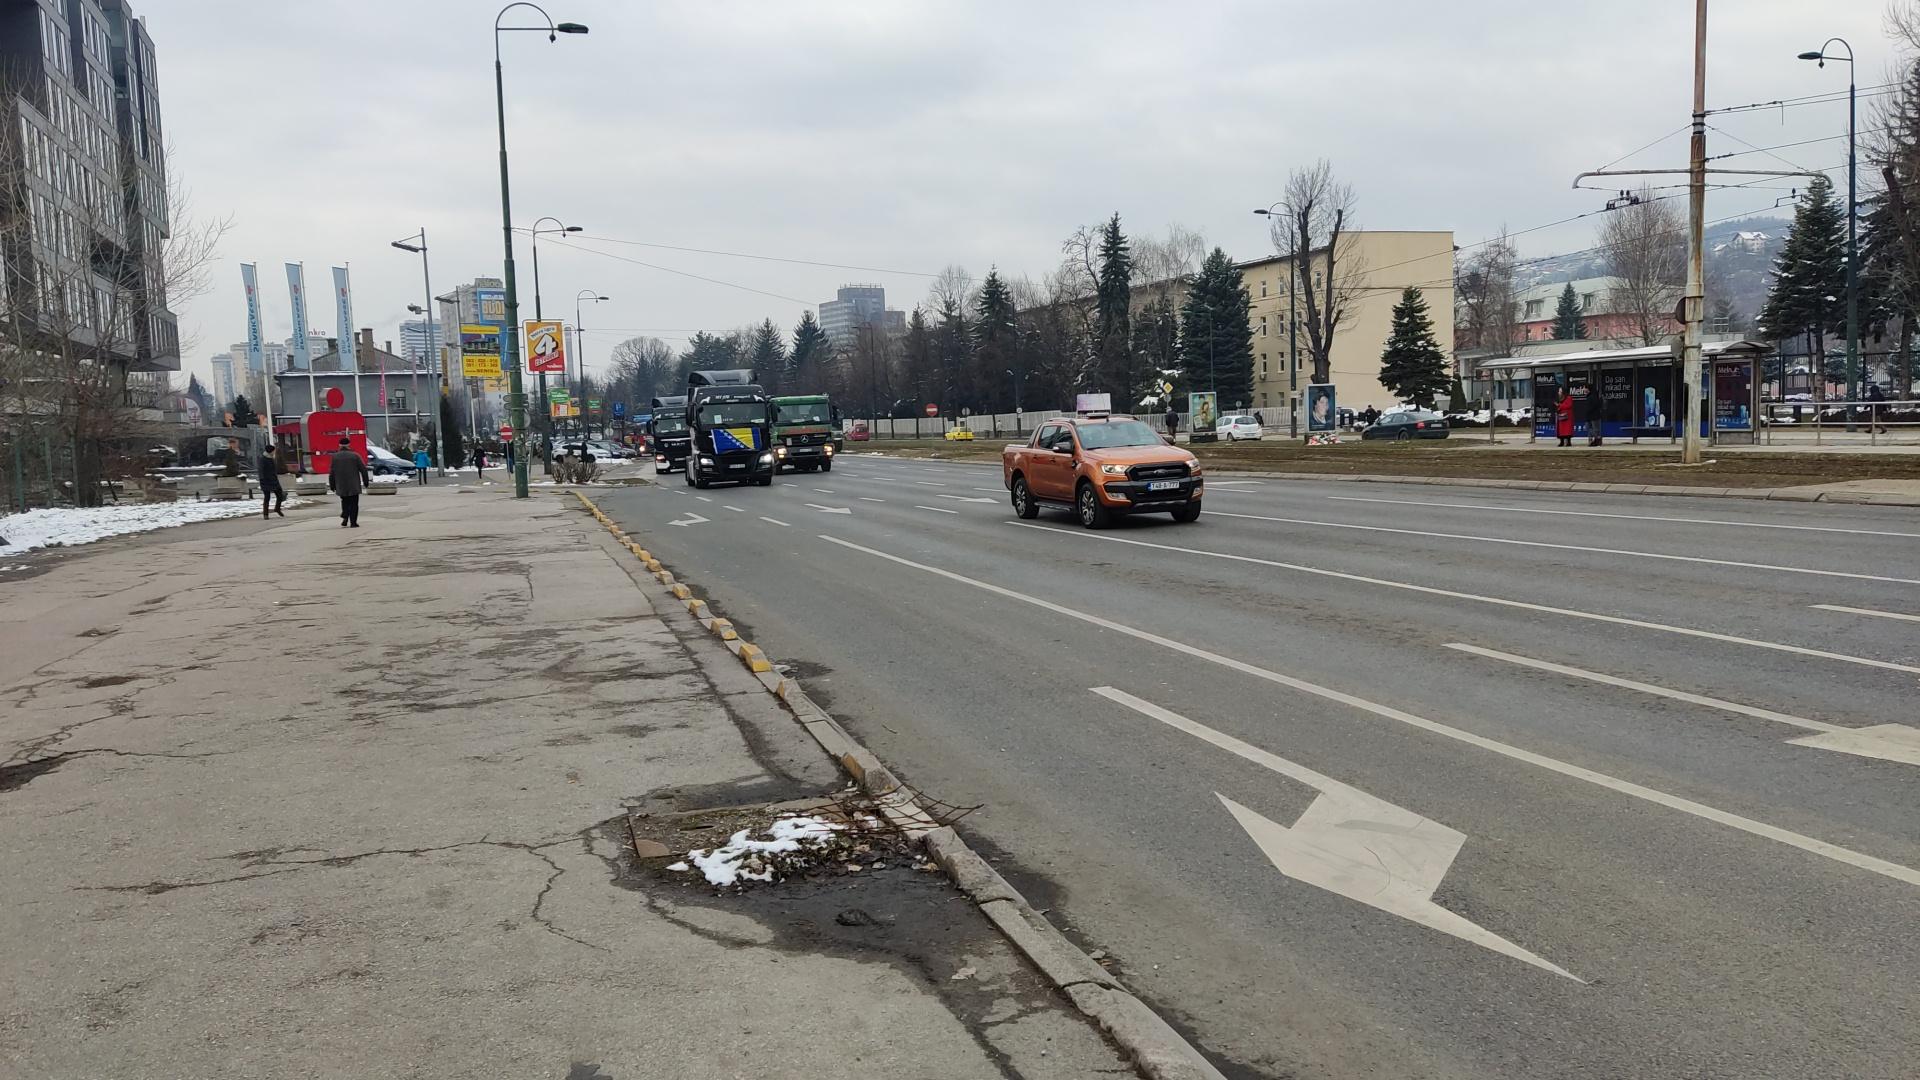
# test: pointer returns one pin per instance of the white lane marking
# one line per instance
(829, 509)
(736, 510)
(1235, 483)
(676, 491)
(1624, 517)
(928, 483)
(1809, 844)
(703, 498)
(869, 498)
(690, 519)
(1572, 547)
(773, 521)
(1648, 688)
(992, 491)
(967, 498)
(935, 509)
(824, 491)
(1348, 842)
(1867, 611)
(1617, 620)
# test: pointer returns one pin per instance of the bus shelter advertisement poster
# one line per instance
(1204, 410)
(1733, 396)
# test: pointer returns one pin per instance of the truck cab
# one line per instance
(667, 434)
(805, 435)
(730, 422)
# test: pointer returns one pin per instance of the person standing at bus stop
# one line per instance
(347, 476)
(1563, 417)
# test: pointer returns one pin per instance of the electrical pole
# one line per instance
(1693, 305)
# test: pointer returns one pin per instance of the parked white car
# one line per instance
(1235, 428)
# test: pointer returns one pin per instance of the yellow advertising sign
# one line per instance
(480, 351)
(546, 348)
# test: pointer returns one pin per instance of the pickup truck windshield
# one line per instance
(1117, 433)
(810, 413)
(733, 413)
(669, 425)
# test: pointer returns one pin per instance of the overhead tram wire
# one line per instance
(760, 258)
(684, 273)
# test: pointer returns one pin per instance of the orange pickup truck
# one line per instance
(1101, 467)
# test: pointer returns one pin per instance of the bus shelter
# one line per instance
(1640, 393)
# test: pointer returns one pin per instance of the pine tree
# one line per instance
(919, 360)
(1114, 368)
(1216, 338)
(243, 414)
(811, 349)
(1413, 365)
(767, 353)
(996, 340)
(1156, 342)
(952, 355)
(1810, 277)
(1567, 323)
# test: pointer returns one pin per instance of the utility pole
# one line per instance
(1693, 305)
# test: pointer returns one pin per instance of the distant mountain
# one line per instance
(1739, 256)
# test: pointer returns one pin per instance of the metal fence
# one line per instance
(35, 472)
(1872, 422)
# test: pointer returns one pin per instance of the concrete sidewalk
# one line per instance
(287, 800)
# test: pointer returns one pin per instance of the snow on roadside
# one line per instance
(68, 527)
(742, 858)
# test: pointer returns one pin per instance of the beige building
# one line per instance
(1387, 262)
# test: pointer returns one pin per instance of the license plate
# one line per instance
(1163, 485)
(736, 466)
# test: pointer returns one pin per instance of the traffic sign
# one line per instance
(933, 409)
(557, 395)
(506, 431)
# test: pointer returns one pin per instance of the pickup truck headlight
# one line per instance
(1195, 471)
(1114, 470)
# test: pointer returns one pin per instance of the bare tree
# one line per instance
(1487, 297)
(1316, 232)
(1162, 265)
(1644, 245)
(953, 286)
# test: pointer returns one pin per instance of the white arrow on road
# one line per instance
(690, 519)
(828, 509)
(1350, 843)
(966, 498)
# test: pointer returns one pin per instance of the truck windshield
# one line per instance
(812, 412)
(733, 413)
(669, 425)
(1117, 433)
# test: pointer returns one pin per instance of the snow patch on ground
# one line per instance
(69, 527)
(743, 858)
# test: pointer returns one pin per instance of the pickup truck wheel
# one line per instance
(1023, 504)
(1188, 513)
(1093, 514)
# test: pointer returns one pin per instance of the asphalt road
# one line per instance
(1299, 770)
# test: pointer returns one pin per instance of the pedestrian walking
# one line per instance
(1875, 398)
(510, 457)
(347, 477)
(272, 495)
(1563, 417)
(420, 463)
(1173, 423)
(479, 462)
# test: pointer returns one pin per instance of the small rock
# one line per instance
(1098, 954)
(855, 917)
(967, 972)
(651, 849)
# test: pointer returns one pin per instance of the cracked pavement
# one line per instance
(276, 801)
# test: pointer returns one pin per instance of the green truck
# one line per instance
(806, 433)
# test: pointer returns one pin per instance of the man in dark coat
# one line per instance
(347, 476)
(272, 495)
(1173, 423)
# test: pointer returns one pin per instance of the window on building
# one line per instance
(1263, 286)
(1586, 301)
(1263, 326)
(397, 401)
(1263, 365)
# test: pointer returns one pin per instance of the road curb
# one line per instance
(1158, 1051)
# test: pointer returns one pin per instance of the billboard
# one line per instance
(1203, 411)
(1321, 413)
(490, 306)
(546, 348)
(479, 351)
(1733, 395)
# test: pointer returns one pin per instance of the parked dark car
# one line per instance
(1412, 424)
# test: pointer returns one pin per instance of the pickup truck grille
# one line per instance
(1169, 471)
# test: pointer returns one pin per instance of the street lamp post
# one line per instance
(1293, 337)
(426, 277)
(510, 339)
(542, 409)
(580, 347)
(1853, 238)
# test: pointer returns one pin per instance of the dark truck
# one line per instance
(803, 432)
(667, 434)
(731, 422)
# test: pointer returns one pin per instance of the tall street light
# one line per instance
(1293, 335)
(1853, 239)
(433, 345)
(541, 408)
(580, 347)
(510, 338)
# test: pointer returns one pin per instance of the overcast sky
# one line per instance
(905, 136)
